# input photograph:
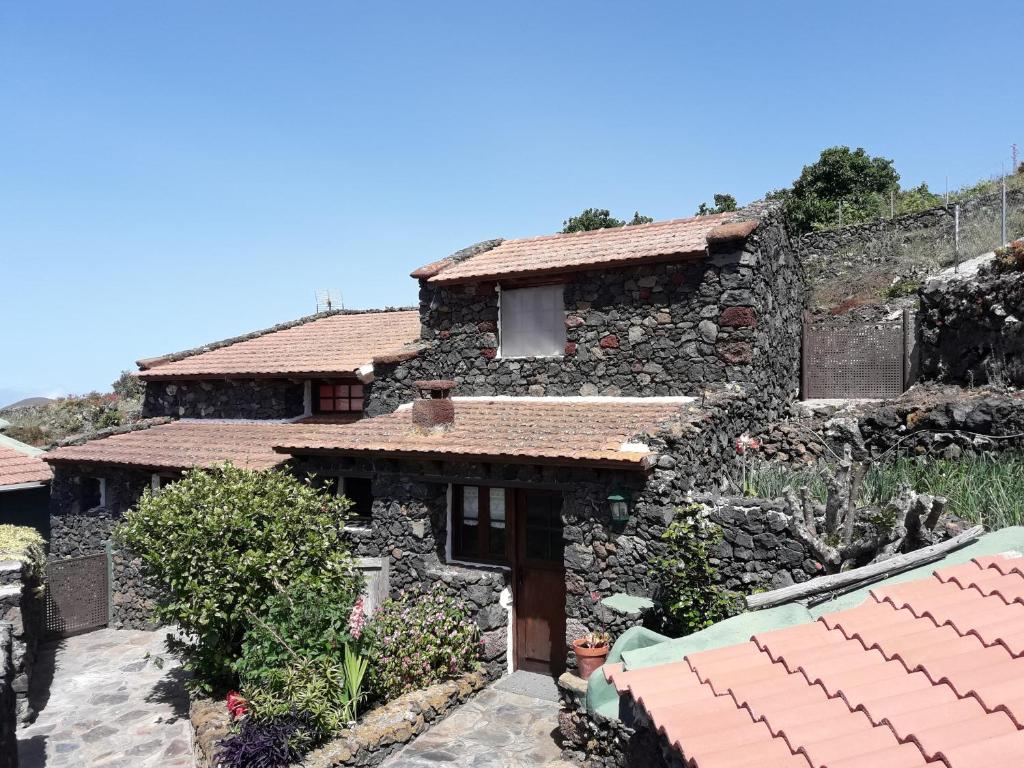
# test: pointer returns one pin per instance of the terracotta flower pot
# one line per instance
(589, 659)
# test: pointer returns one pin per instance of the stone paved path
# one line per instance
(106, 706)
(496, 729)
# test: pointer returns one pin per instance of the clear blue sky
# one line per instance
(174, 173)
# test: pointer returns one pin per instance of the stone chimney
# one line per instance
(434, 409)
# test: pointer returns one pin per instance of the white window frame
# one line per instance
(501, 329)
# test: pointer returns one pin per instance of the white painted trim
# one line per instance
(610, 399)
(23, 486)
(504, 599)
(634, 448)
(307, 398)
(365, 373)
(103, 491)
(500, 333)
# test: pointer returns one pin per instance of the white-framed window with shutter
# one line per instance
(532, 321)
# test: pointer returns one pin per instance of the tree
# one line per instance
(600, 218)
(220, 542)
(844, 186)
(723, 204)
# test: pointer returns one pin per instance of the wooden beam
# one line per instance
(868, 573)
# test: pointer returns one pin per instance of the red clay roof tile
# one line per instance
(554, 254)
(20, 465)
(334, 345)
(921, 674)
(558, 429)
(184, 444)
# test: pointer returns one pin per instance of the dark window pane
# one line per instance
(326, 404)
(326, 390)
(359, 491)
(90, 495)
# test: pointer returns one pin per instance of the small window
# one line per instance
(479, 524)
(359, 490)
(332, 397)
(161, 481)
(533, 321)
(92, 493)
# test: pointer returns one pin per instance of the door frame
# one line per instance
(512, 566)
(517, 560)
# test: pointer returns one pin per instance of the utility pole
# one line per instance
(956, 237)
(1002, 218)
(1013, 150)
(892, 203)
(840, 213)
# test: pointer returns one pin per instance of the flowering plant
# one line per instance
(746, 444)
(421, 638)
(597, 638)
(237, 705)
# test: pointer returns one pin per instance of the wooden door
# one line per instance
(539, 572)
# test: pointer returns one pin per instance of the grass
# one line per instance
(986, 489)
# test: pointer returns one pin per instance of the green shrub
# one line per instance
(325, 692)
(688, 591)
(305, 620)
(220, 542)
(19, 542)
(421, 639)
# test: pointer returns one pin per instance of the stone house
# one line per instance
(24, 485)
(228, 401)
(568, 392)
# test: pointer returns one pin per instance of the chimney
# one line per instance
(434, 410)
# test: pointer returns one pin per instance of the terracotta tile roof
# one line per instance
(20, 464)
(560, 429)
(185, 444)
(561, 253)
(336, 344)
(924, 672)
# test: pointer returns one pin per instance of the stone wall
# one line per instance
(379, 733)
(21, 608)
(224, 399)
(868, 257)
(971, 330)
(8, 717)
(661, 329)
(75, 532)
(948, 423)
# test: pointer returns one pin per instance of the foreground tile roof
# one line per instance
(20, 464)
(184, 444)
(567, 430)
(331, 345)
(924, 672)
(597, 248)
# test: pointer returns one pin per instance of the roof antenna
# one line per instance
(328, 300)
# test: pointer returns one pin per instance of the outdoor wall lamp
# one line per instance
(618, 503)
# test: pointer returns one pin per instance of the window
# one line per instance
(358, 490)
(337, 398)
(479, 524)
(160, 481)
(533, 321)
(92, 493)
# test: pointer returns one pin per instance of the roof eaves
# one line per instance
(146, 364)
(436, 267)
(100, 434)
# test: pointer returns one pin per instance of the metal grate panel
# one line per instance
(77, 594)
(862, 360)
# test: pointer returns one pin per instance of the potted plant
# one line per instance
(591, 651)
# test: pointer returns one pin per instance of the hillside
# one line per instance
(41, 421)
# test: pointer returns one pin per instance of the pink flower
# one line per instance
(357, 619)
(595, 596)
(746, 443)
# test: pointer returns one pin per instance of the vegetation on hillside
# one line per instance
(723, 204)
(988, 489)
(600, 218)
(77, 414)
(845, 186)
